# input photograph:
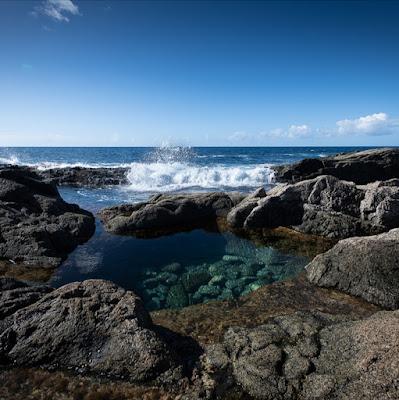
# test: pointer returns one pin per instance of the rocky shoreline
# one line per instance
(331, 333)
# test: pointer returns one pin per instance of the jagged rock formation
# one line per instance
(36, 225)
(310, 356)
(360, 167)
(323, 206)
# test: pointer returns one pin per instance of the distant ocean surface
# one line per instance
(166, 169)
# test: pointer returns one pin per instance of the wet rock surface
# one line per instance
(94, 326)
(367, 267)
(36, 225)
(165, 212)
(85, 177)
(324, 206)
(360, 167)
(312, 356)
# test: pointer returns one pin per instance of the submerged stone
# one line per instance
(177, 297)
(173, 267)
(193, 279)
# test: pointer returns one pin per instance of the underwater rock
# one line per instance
(367, 267)
(361, 167)
(217, 280)
(206, 292)
(177, 297)
(36, 225)
(194, 278)
(173, 267)
(167, 277)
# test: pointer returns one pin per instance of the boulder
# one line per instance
(367, 267)
(323, 206)
(360, 167)
(165, 212)
(36, 225)
(92, 326)
(311, 355)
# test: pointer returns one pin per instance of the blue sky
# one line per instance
(102, 73)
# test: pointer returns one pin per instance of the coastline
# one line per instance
(312, 305)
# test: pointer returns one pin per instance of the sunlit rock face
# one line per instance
(324, 206)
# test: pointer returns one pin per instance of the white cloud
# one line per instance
(239, 136)
(58, 10)
(373, 125)
(292, 132)
(377, 124)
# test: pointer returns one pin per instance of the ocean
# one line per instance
(166, 169)
(185, 268)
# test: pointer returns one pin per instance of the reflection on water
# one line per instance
(181, 269)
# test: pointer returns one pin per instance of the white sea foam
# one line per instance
(44, 165)
(150, 177)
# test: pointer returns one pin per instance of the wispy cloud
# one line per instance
(58, 10)
(378, 124)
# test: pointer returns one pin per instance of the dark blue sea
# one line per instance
(185, 268)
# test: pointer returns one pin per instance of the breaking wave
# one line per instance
(174, 176)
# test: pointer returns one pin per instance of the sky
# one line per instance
(228, 73)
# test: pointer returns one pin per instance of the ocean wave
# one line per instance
(44, 165)
(152, 177)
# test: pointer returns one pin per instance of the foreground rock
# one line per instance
(165, 212)
(323, 206)
(85, 177)
(94, 326)
(310, 356)
(367, 267)
(36, 225)
(360, 167)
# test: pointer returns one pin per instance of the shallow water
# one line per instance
(180, 269)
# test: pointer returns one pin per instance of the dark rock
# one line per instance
(93, 326)
(36, 225)
(15, 294)
(311, 356)
(360, 167)
(367, 267)
(85, 177)
(168, 211)
(326, 206)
